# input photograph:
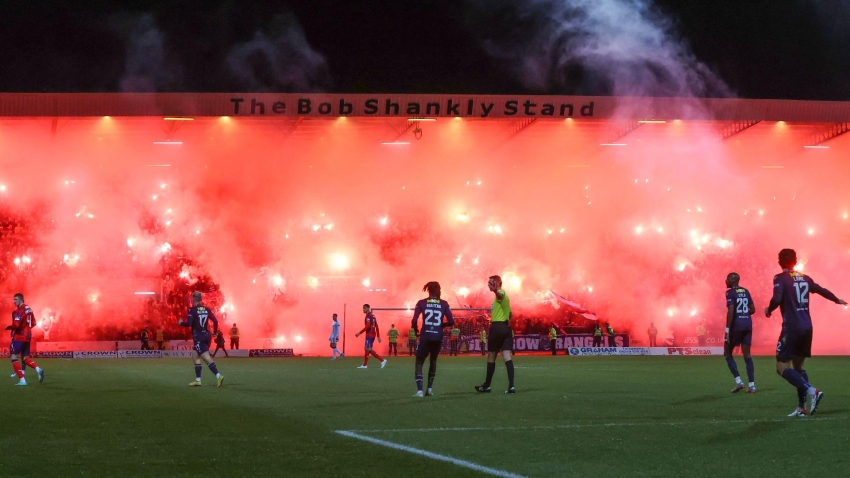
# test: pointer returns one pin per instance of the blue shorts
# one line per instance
(201, 346)
(19, 347)
(429, 348)
(740, 337)
(794, 344)
(369, 342)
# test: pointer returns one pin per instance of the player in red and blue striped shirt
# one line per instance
(372, 332)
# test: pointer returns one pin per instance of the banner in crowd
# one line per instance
(609, 351)
(541, 342)
(271, 353)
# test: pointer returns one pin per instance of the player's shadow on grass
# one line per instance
(702, 399)
(830, 413)
(748, 432)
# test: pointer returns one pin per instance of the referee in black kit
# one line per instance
(501, 337)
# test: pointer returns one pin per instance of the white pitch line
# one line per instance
(591, 425)
(433, 456)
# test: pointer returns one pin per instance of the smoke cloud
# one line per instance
(593, 47)
(279, 60)
(283, 231)
(148, 67)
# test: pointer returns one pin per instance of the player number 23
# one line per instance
(743, 306)
(433, 317)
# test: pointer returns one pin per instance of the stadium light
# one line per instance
(816, 147)
(168, 143)
(652, 121)
(144, 293)
(396, 143)
(421, 119)
(178, 118)
(613, 144)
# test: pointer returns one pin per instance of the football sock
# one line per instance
(510, 366)
(794, 378)
(491, 368)
(17, 366)
(801, 394)
(366, 359)
(419, 382)
(376, 356)
(31, 364)
(751, 370)
(198, 369)
(213, 369)
(431, 375)
(733, 367)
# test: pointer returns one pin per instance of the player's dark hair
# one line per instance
(733, 277)
(787, 258)
(367, 305)
(433, 288)
(19, 296)
(498, 278)
(334, 315)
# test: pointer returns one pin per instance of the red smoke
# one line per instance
(638, 233)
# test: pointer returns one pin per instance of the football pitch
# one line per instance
(572, 416)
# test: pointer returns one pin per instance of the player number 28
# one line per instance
(433, 317)
(743, 306)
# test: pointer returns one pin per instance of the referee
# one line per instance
(501, 336)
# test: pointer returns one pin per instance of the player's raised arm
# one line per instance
(825, 293)
(188, 321)
(777, 297)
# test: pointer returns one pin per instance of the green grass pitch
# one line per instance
(572, 416)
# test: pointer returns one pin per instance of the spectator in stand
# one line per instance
(145, 337)
(219, 344)
(483, 340)
(454, 340)
(393, 335)
(167, 288)
(411, 341)
(610, 334)
(653, 333)
(553, 339)
(597, 335)
(234, 337)
(701, 334)
(160, 337)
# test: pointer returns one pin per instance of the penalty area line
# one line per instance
(595, 425)
(428, 454)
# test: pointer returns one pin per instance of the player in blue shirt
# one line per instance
(436, 314)
(199, 319)
(791, 294)
(739, 330)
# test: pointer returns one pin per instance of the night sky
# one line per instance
(795, 49)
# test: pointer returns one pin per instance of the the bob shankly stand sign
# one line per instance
(417, 106)
(322, 105)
